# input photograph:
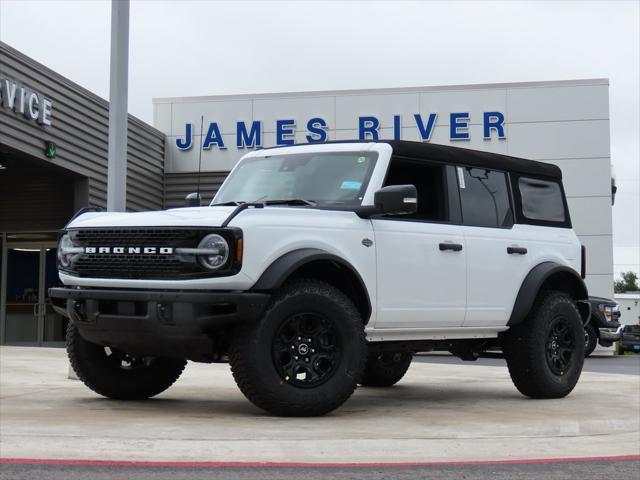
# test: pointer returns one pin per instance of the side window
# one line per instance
(485, 198)
(430, 182)
(541, 200)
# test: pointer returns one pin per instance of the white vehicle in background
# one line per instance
(323, 266)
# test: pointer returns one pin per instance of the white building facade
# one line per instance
(564, 122)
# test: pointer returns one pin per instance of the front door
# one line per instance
(421, 274)
(421, 258)
(29, 318)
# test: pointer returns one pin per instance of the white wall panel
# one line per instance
(475, 142)
(599, 253)
(408, 133)
(590, 215)
(162, 117)
(546, 104)
(475, 102)
(302, 109)
(556, 140)
(585, 176)
(350, 107)
(226, 114)
(600, 285)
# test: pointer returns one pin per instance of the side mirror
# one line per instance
(397, 199)
(393, 199)
(192, 200)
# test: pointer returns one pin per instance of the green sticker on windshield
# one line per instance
(362, 159)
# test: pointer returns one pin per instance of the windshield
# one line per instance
(338, 178)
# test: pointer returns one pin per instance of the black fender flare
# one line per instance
(282, 268)
(533, 282)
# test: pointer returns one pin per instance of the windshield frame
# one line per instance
(372, 155)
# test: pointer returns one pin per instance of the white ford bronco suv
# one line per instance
(323, 266)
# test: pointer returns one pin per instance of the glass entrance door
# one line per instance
(29, 318)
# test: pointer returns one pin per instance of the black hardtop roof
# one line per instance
(473, 158)
(465, 156)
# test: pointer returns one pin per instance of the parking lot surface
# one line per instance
(439, 412)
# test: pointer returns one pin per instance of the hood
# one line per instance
(605, 301)
(176, 217)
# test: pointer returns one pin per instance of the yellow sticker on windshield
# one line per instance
(362, 159)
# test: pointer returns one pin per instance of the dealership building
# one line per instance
(53, 157)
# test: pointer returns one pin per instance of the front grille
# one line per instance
(157, 237)
(139, 266)
(132, 266)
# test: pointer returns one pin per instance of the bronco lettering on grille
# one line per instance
(130, 250)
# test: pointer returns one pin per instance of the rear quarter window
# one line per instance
(541, 200)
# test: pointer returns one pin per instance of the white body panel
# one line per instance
(419, 285)
(494, 276)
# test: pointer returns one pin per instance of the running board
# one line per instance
(455, 333)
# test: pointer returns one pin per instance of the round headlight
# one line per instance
(64, 247)
(219, 251)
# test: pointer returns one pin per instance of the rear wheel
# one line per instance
(590, 339)
(115, 374)
(305, 356)
(385, 369)
(545, 353)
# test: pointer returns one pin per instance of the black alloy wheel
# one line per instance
(306, 349)
(545, 352)
(560, 346)
(305, 356)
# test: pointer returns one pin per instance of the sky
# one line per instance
(191, 48)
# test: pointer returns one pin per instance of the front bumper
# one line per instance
(182, 324)
(608, 336)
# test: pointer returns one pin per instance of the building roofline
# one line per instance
(383, 91)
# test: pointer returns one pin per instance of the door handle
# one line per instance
(516, 251)
(456, 247)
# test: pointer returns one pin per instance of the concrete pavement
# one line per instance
(439, 412)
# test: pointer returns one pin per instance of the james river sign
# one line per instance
(250, 134)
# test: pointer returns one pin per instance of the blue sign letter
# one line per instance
(187, 143)
(426, 130)
(282, 131)
(252, 139)
(368, 126)
(493, 121)
(397, 127)
(213, 137)
(459, 120)
(317, 126)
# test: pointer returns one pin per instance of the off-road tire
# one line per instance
(255, 367)
(593, 339)
(104, 375)
(385, 369)
(527, 345)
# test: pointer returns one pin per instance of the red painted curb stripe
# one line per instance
(134, 463)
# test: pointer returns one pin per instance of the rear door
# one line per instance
(421, 258)
(497, 262)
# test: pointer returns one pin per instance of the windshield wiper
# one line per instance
(227, 204)
(291, 201)
(288, 201)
